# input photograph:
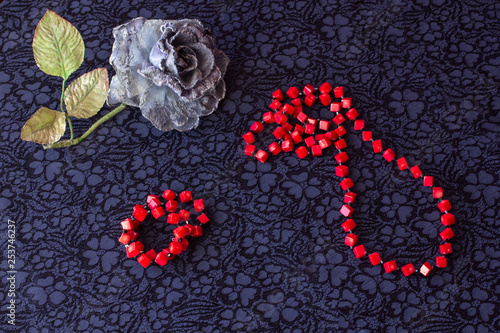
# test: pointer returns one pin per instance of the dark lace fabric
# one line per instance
(425, 77)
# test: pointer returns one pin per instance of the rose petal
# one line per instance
(163, 107)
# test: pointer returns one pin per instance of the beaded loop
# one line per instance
(186, 226)
(311, 136)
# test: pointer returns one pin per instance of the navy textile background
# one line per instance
(423, 74)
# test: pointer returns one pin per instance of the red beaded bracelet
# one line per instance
(318, 142)
(158, 207)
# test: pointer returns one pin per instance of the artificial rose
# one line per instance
(170, 69)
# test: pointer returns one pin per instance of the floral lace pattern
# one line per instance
(424, 74)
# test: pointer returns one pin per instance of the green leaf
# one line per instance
(57, 45)
(86, 95)
(45, 126)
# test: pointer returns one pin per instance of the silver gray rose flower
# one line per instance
(170, 69)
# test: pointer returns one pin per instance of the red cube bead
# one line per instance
(340, 144)
(134, 249)
(203, 218)
(175, 247)
(184, 214)
(377, 146)
(296, 102)
(402, 163)
(157, 212)
(347, 210)
(341, 170)
(437, 192)
(308, 89)
(185, 243)
(375, 258)
(340, 131)
(335, 107)
(324, 125)
(133, 234)
(249, 150)
(162, 258)
(359, 251)
(441, 262)
(346, 102)
(324, 143)
(309, 100)
(197, 231)
(171, 206)
(274, 148)
(319, 137)
(389, 155)
(278, 94)
(367, 135)
(351, 239)
(338, 92)
(280, 118)
(352, 114)
(139, 213)
(289, 109)
(359, 124)
(346, 184)
(428, 180)
(153, 201)
(173, 218)
(325, 99)
(268, 117)
(348, 225)
(199, 205)
(350, 197)
(299, 129)
(415, 170)
(275, 105)
(301, 152)
(426, 269)
(325, 88)
(312, 121)
(169, 195)
(309, 129)
(248, 137)
(341, 157)
(302, 117)
(444, 205)
(181, 232)
(338, 119)
(448, 219)
(293, 92)
(287, 146)
(296, 136)
(390, 266)
(124, 238)
(262, 156)
(189, 228)
(316, 150)
(257, 127)
(445, 248)
(144, 260)
(408, 269)
(309, 141)
(279, 132)
(447, 234)
(151, 254)
(129, 224)
(332, 135)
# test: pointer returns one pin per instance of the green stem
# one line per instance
(71, 142)
(65, 112)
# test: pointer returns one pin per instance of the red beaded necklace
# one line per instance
(180, 217)
(307, 141)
